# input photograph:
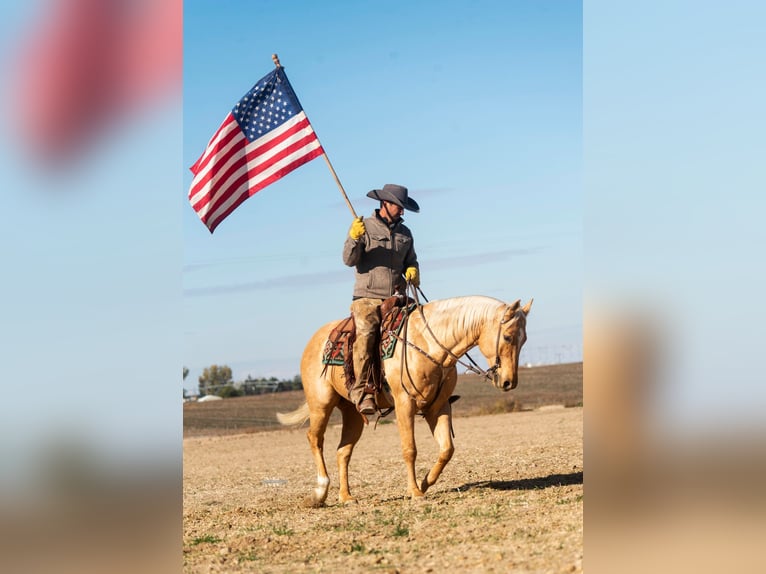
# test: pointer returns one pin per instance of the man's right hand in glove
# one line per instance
(357, 229)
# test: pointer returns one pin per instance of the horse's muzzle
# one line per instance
(510, 385)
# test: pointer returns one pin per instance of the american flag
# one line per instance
(263, 138)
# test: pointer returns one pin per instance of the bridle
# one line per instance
(494, 368)
(490, 374)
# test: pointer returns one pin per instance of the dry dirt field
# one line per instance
(511, 499)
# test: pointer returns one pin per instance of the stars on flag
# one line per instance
(264, 108)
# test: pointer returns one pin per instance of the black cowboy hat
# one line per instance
(395, 194)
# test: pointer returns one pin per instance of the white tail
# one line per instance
(296, 417)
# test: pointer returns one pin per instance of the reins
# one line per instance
(489, 374)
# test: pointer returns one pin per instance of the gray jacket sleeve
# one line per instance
(353, 250)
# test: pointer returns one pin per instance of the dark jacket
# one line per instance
(381, 256)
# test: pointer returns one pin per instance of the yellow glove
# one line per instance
(412, 276)
(357, 229)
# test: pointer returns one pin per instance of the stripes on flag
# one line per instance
(232, 168)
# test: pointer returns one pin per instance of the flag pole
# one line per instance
(275, 58)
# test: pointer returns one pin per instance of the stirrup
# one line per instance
(367, 405)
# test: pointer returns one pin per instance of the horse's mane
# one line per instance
(461, 314)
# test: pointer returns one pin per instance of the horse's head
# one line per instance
(501, 343)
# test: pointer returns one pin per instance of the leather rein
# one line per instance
(490, 374)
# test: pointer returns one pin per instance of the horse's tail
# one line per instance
(296, 417)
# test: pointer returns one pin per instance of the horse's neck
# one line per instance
(459, 325)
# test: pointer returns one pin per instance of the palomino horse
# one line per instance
(422, 373)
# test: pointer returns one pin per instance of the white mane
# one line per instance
(460, 315)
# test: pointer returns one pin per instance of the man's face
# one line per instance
(391, 211)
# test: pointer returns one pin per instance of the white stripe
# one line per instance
(224, 187)
(211, 163)
(218, 169)
(215, 182)
(215, 158)
(232, 126)
(305, 150)
(214, 165)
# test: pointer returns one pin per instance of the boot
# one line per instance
(364, 402)
(367, 405)
(364, 346)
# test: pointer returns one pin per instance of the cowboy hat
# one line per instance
(395, 194)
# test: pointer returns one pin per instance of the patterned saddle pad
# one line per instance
(340, 342)
(390, 328)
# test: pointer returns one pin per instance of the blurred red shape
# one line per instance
(86, 64)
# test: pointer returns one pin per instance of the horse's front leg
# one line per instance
(353, 425)
(405, 418)
(317, 426)
(441, 428)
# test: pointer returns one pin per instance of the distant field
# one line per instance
(538, 386)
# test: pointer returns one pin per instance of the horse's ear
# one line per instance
(511, 311)
(527, 307)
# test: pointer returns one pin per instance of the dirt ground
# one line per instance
(511, 500)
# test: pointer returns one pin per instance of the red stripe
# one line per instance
(285, 170)
(197, 167)
(222, 195)
(212, 155)
(256, 188)
(252, 154)
(267, 145)
(213, 224)
(223, 178)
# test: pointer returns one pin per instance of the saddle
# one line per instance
(339, 346)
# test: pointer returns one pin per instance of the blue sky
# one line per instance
(475, 107)
(674, 204)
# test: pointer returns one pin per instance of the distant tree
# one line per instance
(260, 385)
(228, 391)
(213, 378)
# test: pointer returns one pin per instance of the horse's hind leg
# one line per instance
(352, 430)
(315, 434)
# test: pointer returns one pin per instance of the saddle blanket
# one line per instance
(341, 338)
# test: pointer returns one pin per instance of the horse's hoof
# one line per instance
(350, 500)
(311, 502)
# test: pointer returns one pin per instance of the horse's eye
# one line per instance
(507, 338)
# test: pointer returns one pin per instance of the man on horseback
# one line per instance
(381, 248)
